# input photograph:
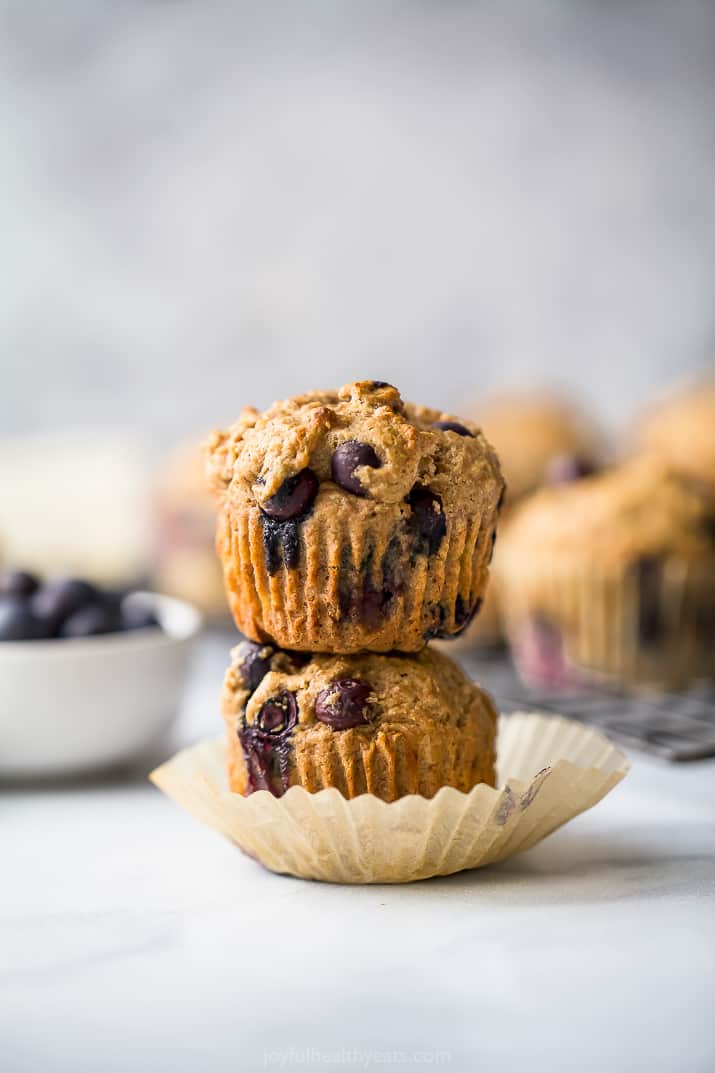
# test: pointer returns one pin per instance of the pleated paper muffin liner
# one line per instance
(592, 624)
(342, 582)
(550, 769)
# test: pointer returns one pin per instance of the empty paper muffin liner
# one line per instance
(549, 770)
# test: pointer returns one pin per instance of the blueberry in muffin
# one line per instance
(353, 521)
(386, 725)
(612, 578)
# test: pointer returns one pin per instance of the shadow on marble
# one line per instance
(597, 867)
(566, 869)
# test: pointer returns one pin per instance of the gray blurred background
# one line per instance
(206, 204)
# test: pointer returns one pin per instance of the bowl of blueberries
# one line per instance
(88, 677)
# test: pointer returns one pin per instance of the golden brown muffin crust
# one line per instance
(530, 431)
(260, 451)
(417, 722)
(614, 574)
(681, 430)
(642, 507)
(350, 520)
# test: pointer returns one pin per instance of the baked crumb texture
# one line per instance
(352, 521)
(385, 725)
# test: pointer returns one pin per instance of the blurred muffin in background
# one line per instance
(539, 438)
(535, 437)
(185, 564)
(681, 430)
(611, 579)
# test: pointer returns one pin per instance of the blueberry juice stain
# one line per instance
(649, 581)
(266, 745)
(427, 523)
(367, 599)
(282, 514)
(268, 762)
(281, 543)
(464, 614)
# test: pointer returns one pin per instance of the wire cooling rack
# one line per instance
(675, 726)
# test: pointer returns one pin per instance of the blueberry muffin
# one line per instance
(353, 521)
(184, 526)
(539, 439)
(385, 725)
(612, 578)
(681, 430)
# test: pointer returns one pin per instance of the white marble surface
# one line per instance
(131, 938)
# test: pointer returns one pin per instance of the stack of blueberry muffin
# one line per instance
(353, 528)
(541, 439)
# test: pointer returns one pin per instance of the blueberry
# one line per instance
(91, 620)
(563, 469)
(17, 621)
(363, 603)
(294, 497)
(278, 715)
(344, 704)
(58, 600)
(136, 615)
(267, 744)
(260, 761)
(367, 599)
(372, 605)
(453, 426)
(281, 543)
(253, 662)
(393, 569)
(707, 527)
(541, 657)
(463, 613)
(348, 457)
(17, 583)
(648, 574)
(428, 523)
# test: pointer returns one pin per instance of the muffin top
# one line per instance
(681, 429)
(362, 439)
(531, 433)
(335, 693)
(643, 507)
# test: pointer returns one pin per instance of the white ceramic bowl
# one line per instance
(68, 706)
